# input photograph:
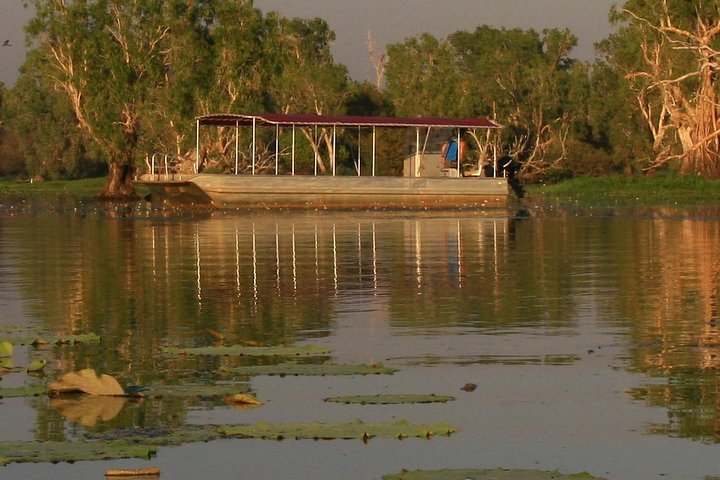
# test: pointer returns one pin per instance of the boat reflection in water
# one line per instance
(299, 263)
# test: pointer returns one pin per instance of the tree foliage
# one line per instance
(668, 53)
(110, 82)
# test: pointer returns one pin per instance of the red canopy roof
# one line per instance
(232, 119)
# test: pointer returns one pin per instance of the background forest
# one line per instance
(110, 82)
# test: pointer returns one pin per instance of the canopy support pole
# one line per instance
(197, 146)
(237, 141)
(254, 134)
(359, 165)
(373, 151)
(416, 170)
(277, 147)
(334, 148)
(459, 153)
(292, 166)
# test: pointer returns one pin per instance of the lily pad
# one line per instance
(36, 365)
(336, 431)
(6, 349)
(192, 390)
(390, 399)
(29, 336)
(291, 368)
(491, 474)
(6, 365)
(22, 391)
(244, 350)
(71, 451)
(169, 436)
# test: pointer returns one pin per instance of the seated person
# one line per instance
(450, 152)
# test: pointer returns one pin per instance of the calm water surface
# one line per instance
(592, 336)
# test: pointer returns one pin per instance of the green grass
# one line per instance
(622, 189)
(80, 189)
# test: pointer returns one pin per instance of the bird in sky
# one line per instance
(6, 43)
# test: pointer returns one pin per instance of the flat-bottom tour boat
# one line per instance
(425, 183)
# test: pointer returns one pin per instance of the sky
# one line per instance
(388, 21)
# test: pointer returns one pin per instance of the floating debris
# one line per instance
(86, 381)
(135, 472)
(243, 400)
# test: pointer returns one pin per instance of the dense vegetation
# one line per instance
(109, 82)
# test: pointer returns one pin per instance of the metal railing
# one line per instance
(166, 165)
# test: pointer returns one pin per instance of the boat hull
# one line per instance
(326, 192)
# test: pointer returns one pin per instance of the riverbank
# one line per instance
(584, 191)
(623, 190)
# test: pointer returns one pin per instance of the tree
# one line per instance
(11, 162)
(306, 77)
(423, 78)
(668, 51)
(519, 77)
(43, 121)
(109, 57)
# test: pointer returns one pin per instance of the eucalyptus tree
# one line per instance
(518, 77)
(668, 52)
(44, 124)
(305, 77)
(424, 79)
(110, 58)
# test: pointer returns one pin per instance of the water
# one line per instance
(592, 336)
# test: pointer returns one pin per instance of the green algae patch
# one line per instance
(23, 391)
(337, 431)
(55, 452)
(322, 369)
(390, 399)
(243, 350)
(491, 474)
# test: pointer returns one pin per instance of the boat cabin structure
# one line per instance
(264, 174)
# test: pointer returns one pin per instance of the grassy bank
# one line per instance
(624, 190)
(586, 190)
(84, 189)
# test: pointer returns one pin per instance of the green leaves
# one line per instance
(390, 399)
(291, 368)
(335, 431)
(70, 452)
(242, 350)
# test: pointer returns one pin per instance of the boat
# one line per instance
(424, 184)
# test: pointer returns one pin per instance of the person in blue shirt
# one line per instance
(450, 152)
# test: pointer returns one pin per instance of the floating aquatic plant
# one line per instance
(70, 451)
(244, 350)
(491, 474)
(391, 399)
(292, 368)
(336, 431)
